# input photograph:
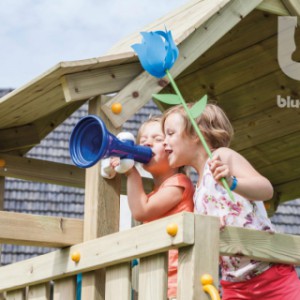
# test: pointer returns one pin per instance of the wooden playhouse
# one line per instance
(228, 50)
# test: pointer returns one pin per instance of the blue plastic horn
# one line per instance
(90, 141)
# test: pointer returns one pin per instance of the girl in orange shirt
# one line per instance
(173, 191)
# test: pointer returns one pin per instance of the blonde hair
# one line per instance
(213, 123)
(150, 120)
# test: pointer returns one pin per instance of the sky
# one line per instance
(35, 35)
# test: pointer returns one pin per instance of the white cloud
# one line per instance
(37, 34)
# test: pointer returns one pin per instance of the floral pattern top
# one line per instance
(212, 199)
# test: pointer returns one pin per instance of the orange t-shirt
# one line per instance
(186, 204)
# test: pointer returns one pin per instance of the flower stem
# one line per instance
(194, 124)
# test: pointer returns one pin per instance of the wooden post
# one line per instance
(153, 279)
(201, 258)
(39, 292)
(118, 285)
(65, 289)
(16, 295)
(101, 210)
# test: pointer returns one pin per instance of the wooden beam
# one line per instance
(265, 126)
(118, 282)
(99, 253)
(140, 90)
(48, 123)
(293, 6)
(101, 210)
(35, 230)
(39, 292)
(83, 85)
(260, 245)
(201, 258)
(65, 289)
(18, 137)
(42, 171)
(241, 68)
(288, 190)
(153, 277)
(32, 169)
(16, 295)
(274, 7)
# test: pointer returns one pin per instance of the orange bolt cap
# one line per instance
(75, 256)
(116, 108)
(206, 279)
(172, 229)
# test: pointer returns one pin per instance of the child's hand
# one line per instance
(114, 161)
(219, 170)
(121, 166)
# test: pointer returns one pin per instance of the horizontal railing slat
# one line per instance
(123, 246)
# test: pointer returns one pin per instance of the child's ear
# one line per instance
(196, 139)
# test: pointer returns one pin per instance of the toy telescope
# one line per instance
(90, 141)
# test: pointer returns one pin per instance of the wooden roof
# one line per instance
(228, 50)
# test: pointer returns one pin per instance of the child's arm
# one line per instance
(148, 209)
(250, 184)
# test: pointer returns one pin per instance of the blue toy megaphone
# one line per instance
(90, 141)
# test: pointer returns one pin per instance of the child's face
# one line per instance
(178, 145)
(153, 137)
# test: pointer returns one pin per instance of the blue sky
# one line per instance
(35, 35)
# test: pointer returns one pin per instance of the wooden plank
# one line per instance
(265, 126)
(288, 190)
(83, 85)
(274, 7)
(153, 277)
(32, 108)
(202, 39)
(16, 295)
(182, 21)
(47, 88)
(100, 253)
(49, 122)
(198, 259)
(283, 171)
(44, 230)
(101, 211)
(274, 151)
(260, 245)
(18, 137)
(39, 292)
(263, 95)
(240, 68)
(255, 27)
(65, 289)
(118, 285)
(42, 171)
(51, 172)
(293, 6)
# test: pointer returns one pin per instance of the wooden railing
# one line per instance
(198, 239)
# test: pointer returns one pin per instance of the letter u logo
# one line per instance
(286, 47)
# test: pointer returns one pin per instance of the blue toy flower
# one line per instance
(157, 52)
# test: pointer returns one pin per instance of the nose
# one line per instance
(165, 142)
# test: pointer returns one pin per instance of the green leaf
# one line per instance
(171, 99)
(198, 107)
